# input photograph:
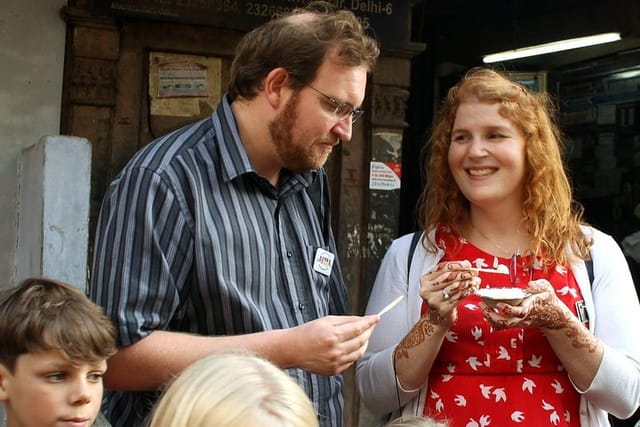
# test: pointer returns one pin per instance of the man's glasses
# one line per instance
(342, 110)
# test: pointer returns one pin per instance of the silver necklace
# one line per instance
(504, 251)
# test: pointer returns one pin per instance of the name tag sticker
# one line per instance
(323, 261)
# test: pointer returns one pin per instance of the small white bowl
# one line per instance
(511, 296)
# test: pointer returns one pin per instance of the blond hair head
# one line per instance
(232, 389)
(416, 421)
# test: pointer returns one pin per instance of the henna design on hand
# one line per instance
(500, 324)
(421, 330)
(545, 314)
(434, 317)
(555, 317)
(580, 338)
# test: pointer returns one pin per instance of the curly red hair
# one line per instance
(549, 213)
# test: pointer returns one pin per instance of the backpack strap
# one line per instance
(414, 243)
(589, 264)
(581, 309)
(415, 239)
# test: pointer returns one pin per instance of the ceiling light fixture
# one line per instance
(556, 46)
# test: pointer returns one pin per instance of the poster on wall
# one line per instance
(385, 166)
(384, 175)
(183, 85)
(182, 80)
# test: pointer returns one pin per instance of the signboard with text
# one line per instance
(386, 20)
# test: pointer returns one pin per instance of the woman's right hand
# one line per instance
(444, 287)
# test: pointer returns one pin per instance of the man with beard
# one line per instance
(217, 235)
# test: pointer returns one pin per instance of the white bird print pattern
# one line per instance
(534, 362)
(557, 387)
(476, 332)
(528, 385)
(474, 362)
(460, 400)
(503, 353)
(484, 421)
(479, 263)
(485, 377)
(517, 416)
(450, 368)
(567, 290)
(486, 391)
(561, 269)
(554, 418)
(499, 395)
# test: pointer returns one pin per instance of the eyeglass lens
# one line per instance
(342, 109)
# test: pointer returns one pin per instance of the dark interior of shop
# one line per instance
(597, 90)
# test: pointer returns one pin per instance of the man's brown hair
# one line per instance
(299, 42)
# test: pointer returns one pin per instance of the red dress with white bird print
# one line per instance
(486, 377)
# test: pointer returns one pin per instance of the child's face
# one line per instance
(47, 390)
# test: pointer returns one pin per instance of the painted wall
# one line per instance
(32, 37)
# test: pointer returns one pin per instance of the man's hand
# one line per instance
(331, 344)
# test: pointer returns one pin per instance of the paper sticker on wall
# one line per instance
(182, 79)
(384, 175)
(183, 85)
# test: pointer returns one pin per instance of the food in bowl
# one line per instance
(511, 296)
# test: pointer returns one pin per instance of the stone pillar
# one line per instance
(53, 214)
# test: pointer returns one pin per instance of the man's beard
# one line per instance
(294, 156)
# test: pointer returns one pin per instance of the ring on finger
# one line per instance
(445, 294)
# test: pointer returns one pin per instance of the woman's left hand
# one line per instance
(541, 309)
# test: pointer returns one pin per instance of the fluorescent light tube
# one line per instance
(556, 46)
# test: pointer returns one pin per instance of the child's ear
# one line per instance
(5, 376)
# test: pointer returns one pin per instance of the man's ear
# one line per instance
(276, 87)
(5, 377)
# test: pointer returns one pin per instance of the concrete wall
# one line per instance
(32, 37)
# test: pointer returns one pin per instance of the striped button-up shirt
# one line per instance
(191, 239)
